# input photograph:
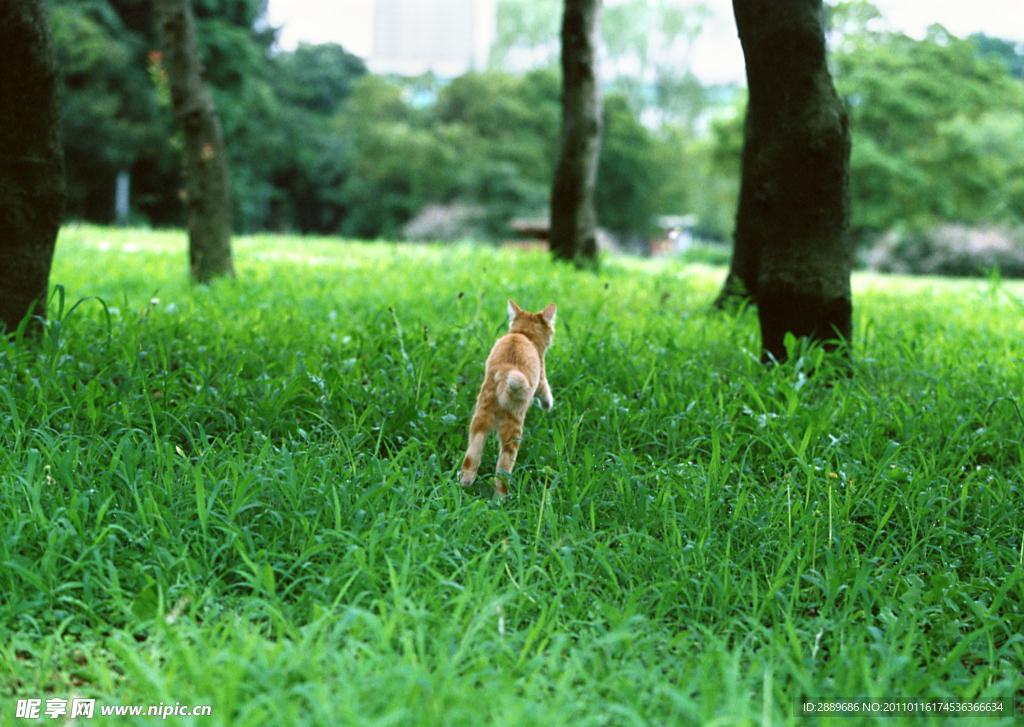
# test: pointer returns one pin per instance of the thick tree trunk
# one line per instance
(208, 201)
(793, 252)
(573, 220)
(31, 161)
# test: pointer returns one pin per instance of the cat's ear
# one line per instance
(549, 313)
(513, 309)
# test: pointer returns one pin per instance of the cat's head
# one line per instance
(541, 324)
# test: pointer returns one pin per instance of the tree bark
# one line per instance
(793, 253)
(208, 199)
(573, 220)
(32, 190)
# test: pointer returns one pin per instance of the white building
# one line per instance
(445, 37)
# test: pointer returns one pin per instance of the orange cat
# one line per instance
(513, 375)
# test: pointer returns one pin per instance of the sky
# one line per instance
(717, 55)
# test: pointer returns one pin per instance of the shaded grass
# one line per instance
(691, 537)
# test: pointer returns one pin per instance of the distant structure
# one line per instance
(444, 37)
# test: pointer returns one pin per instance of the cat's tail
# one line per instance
(513, 388)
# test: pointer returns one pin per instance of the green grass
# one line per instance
(245, 496)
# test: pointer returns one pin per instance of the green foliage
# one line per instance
(317, 147)
(936, 127)
(627, 173)
(527, 28)
(488, 139)
(314, 143)
(245, 496)
(317, 77)
(649, 42)
(110, 118)
(280, 155)
(702, 174)
(649, 168)
(645, 51)
(511, 124)
(936, 130)
(397, 163)
(1003, 50)
(311, 161)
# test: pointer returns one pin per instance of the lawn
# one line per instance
(245, 497)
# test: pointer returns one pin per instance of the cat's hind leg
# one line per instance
(544, 394)
(509, 433)
(479, 428)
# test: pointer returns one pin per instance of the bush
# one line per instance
(445, 223)
(952, 250)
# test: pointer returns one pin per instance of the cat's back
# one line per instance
(514, 349)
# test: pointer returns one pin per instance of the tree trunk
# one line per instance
(573, 220)
(31, 161)
(208, 201)
(793, 252)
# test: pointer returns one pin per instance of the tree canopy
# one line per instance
(317, 144)
(938, 129)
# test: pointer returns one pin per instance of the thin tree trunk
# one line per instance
(208, 201)
(573, 220)
(32, 190)
(793, 252)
